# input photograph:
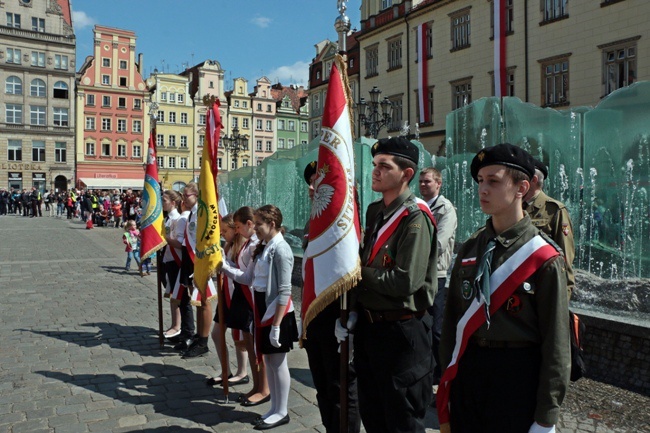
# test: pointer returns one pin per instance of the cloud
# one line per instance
(81, 20)
(262, 22)
(298, 73)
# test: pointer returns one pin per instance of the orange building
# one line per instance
(112, 118)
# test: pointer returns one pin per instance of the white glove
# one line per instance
(536, 428)
(341, 332)
(274, 336)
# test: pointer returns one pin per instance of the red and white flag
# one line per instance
(500, 48)
(331, 263)
(423, 81)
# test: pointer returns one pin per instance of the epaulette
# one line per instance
(411, 205)
(551, 242)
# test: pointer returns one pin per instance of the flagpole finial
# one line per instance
(342, 25)
(209, 100)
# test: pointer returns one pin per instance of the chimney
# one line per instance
(140, 63)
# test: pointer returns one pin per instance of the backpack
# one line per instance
(577, 330)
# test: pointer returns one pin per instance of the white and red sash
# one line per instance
(190, 245)
(387, 230)
(503, 283)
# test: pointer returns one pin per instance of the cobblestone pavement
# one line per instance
(79, 350)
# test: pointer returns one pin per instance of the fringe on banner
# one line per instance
(343, 70)
(150, 253)
(329, 295)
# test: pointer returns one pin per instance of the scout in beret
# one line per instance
(310, 170)
(539, 165)
(506, 299)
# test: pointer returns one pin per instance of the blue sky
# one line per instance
(276, 38)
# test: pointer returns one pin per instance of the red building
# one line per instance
(112, 119)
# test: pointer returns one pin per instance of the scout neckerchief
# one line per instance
(503, 282)
(387, 230)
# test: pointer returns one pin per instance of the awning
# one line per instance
(111, 183)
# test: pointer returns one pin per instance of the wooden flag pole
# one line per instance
(344, 360)
(159, 268)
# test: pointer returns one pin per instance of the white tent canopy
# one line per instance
(110, 183)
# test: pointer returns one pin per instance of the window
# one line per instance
(60, 116)
(180, 98)
(236, 104)
(553, 10)
(555, 82)
(292, 125)
(183, 118)
(291, 142)
(14, 86)
(211, 85)
(244, 104)
(37, 88)
(318, 75)
(258, 125)
(172, 97)
(90, 100)
(269, 125)
(38, 151)
(124, 64)
(61, 62)
(14, 150)
(244, 123)
(106, 80)
(161, 116)
(121, 150)
(172, 117)
(137, 126)
(395, 53)
(386, 4)
(303, 126)
(106, 101)
(172, 162)
(90, 123)
(280, 143)
(37, 115)
(172, 141)
(235, 122)
(123, 82)
(121, 125)
(137, 151)
(183, 140)
(509, 19)
(13, 56)
(219, 163)
(60, 150)
(460, 29)
(161, 161)
(244, 163)
(269, 146)
(233, 164)
(13, 20)
(201, 119)
(163, 96)
(121, 102)
(372, 61)
(327, 70)
(268, 108)
(60, 90)
(183, 162)
(258, 145)
(106, 62)
(396, 119)
(160, 140)
(280, 125)
(619, 65)
(509, 84)
(461, 93)
(38, 59)
(106, 149)
(259, 107)
(38, 25)
(106, 124)
(137, 104)
(201, 141)
(90, 149)
(14, 113)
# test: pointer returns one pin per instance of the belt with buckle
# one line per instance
(391, 315)
(499, 344)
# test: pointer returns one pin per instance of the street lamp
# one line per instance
(235, 144)
(374, 115)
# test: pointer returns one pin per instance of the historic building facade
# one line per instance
(112, 113)
(263, 137)
(37, 72)
(240, 119)
(292, 115)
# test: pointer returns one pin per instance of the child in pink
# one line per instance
(131, 240)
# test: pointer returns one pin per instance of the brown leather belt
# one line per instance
(497, 344)
(391, 315)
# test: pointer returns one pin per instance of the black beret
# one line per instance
(397, 146)
(504, 154)
(539, 165)
(309, 171)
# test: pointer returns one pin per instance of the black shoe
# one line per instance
(175, 339)
(213, 381)
(195, 351)
(183, 345)
(264, 426)
(249, 403)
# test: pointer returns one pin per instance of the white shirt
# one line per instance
(170, 223)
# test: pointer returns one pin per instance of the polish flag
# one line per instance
(500, 48)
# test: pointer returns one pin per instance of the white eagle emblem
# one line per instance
(150, 157)
(322, 193)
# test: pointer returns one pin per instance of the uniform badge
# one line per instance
(513, 305)
(481, 156)
(565, 229)
(466, 290)
(192, 226)
(167, 230)
(527, 286)
(387, 261)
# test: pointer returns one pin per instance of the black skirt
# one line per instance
(288, 329)
(240, 313)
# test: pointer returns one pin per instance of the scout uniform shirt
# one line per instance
(552, 217)
(402, 275)
(536, 313)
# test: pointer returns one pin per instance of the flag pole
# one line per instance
(342, 27)
(161, 337)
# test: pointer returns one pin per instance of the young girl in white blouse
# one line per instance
(275, 322)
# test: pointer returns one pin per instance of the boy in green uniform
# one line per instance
(505, 345)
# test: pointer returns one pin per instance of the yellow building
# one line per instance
(178, 162)
(239, 116)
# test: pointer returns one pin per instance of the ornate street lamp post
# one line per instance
(374, 115)
(235, 144)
